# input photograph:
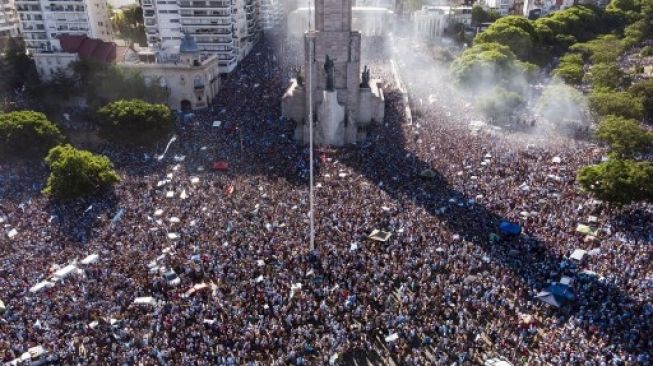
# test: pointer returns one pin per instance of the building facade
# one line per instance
(501, 6)
(431, 22)
(227, 29)
(73, 48)
(192, 80)
(8, 19)
(271, 14)
(41, 21)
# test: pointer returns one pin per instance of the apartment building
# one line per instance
(41, 21)
(8, 19)
(227, 29)
(271, 13)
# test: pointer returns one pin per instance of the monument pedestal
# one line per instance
(331, 118)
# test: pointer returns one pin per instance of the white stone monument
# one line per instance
(343, 104)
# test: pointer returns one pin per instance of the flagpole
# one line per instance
(310, 133)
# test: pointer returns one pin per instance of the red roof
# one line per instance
(89, 47)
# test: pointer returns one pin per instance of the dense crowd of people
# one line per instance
(445, 288)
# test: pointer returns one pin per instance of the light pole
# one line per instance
(310, 134)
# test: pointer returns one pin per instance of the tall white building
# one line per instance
(501, 6)
(271, 13)
(8, 19)
(227, 29)
(42, 20)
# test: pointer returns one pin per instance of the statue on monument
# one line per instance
(329, 68)
(365, 77)
(299, 75)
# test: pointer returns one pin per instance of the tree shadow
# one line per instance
(601, 307)
(77, 220)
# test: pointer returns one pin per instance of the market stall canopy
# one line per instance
(220, 165)
(379, 235)
(509, 228)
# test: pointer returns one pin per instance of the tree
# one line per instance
(15, 67)
(570, 68)
(637, 32)
(479, 15)
(512, 31)
(560, 102)
(27, 134)
(603, 49)
(134, 122)
(61, 86)
(76, 173)
(627, 139)
(646, 51)
(604, 75)
(644, 90)
(128, 23)
(500, 103)
(618, 181)
(621, 104)
(482, 63)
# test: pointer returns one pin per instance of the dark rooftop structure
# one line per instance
(87, 47)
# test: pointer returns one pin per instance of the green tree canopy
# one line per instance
(560, 102)
(488, 64)
(621, 104)
(627, 139)
(480, 15)
(101, 84)
(644, 90)
(27, 134)
(15, 68)
(605, 75)
(512, 31)
(134, 122)
(605, 48)
(618, 181)
(570, 68)
(76, 173)
(128, 23)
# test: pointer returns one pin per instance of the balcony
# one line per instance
(204, 4)
(199, 88)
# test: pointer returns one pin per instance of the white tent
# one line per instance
(93, 258)
(578, 255)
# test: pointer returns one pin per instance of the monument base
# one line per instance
(331, 120)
